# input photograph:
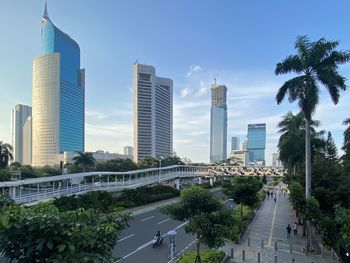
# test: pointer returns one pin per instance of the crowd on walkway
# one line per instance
(246, 171)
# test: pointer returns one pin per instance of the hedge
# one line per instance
(207, 256)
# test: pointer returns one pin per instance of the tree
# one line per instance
(342, 218)
(315, 63)
(148, 162)
(330, 148)
(117, 165)
(346, 146)
(172, 161)
(43, 234)
(5, 154)
(244, 191)
(85, 160)
(297, 197)
(207, 218)
(5, 175)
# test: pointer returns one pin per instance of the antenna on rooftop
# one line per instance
(136, 61)
(214, 78)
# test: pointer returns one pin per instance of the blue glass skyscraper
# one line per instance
(256, 143)
(218, 124)
(58, 96)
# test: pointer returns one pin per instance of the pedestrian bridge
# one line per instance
(45, 188)
(38, 189)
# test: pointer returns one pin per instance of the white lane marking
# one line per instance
(143, 220)
(161, 222)
(120, 240)
(273, 222)
(150, 242)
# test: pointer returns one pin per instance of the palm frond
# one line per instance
(302, 44)
(346, 121)
(289, 64)
(290, 86)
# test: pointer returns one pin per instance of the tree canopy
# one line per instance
(207, 218)
(43, 234)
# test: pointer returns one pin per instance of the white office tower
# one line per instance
(153, 114)
(27, 142)
(129, 151)
(20, 115)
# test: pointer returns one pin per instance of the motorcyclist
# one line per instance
(158, 235)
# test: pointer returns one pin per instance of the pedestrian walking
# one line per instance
(271, 193)
(268, 194)
(274, 199)
(295, 228)
(289, 229)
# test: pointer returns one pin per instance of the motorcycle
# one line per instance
(157, 241)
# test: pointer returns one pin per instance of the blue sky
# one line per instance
(239, 42)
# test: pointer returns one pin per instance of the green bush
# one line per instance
(107, 201)
(99, 200)
(207, 256)
(238, 224)
(148, 194)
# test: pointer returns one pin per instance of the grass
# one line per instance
(207, 256)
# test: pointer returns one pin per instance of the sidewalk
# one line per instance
(269, 226)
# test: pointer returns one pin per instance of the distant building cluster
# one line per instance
(53, 130)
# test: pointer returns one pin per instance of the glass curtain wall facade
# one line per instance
(256, 143)
(58, 96)
(218, 124)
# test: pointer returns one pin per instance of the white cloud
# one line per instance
(108, 137)
(202, 90)
(185, 92)
(95, 114)
(193, 69)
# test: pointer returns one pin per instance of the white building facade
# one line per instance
(20, 134)
(153, 114)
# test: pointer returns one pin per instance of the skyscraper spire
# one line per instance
(46, 15)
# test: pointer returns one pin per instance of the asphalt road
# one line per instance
(135, 243)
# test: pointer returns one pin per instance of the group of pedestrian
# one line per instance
(272, 194)
(289, 229)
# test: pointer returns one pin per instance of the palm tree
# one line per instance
(315, 63)
(5, 154)
(292, 139)
(85, 160)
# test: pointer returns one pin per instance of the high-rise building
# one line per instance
(20, 115)
(245, 145)
(58, 96)
(218, 124)
(27, 142)
(256, 143)
(129, 151)
(234, 143)
(153, 114)
(274, 159)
